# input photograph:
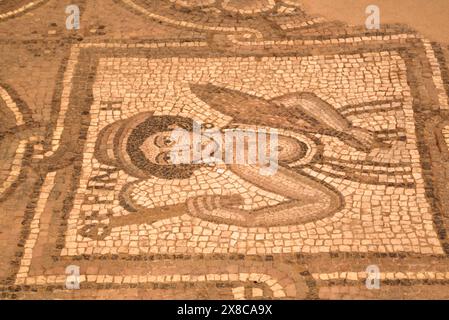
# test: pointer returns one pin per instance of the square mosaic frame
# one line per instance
(285, 275)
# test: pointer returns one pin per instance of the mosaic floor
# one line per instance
(363, 119)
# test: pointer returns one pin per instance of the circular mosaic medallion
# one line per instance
(251, 17)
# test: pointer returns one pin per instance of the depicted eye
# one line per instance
(163, 140)
(168, 141)
(163, 158)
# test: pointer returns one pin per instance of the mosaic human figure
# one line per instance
(141, 146)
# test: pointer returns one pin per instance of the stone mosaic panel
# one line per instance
(363, 131)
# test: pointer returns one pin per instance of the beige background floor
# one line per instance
(429, 17)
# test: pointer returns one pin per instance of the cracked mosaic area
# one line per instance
(363, 123)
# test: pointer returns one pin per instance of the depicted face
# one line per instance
(177, 146)
(161, 147)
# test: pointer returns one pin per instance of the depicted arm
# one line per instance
(308, 201)
(328, 117)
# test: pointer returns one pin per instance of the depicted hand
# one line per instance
(95, 231)
(362, 135)
(361, 139)
(210, 203)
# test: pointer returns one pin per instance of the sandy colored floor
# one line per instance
(428, 17)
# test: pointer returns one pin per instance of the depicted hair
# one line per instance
(153, 125)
